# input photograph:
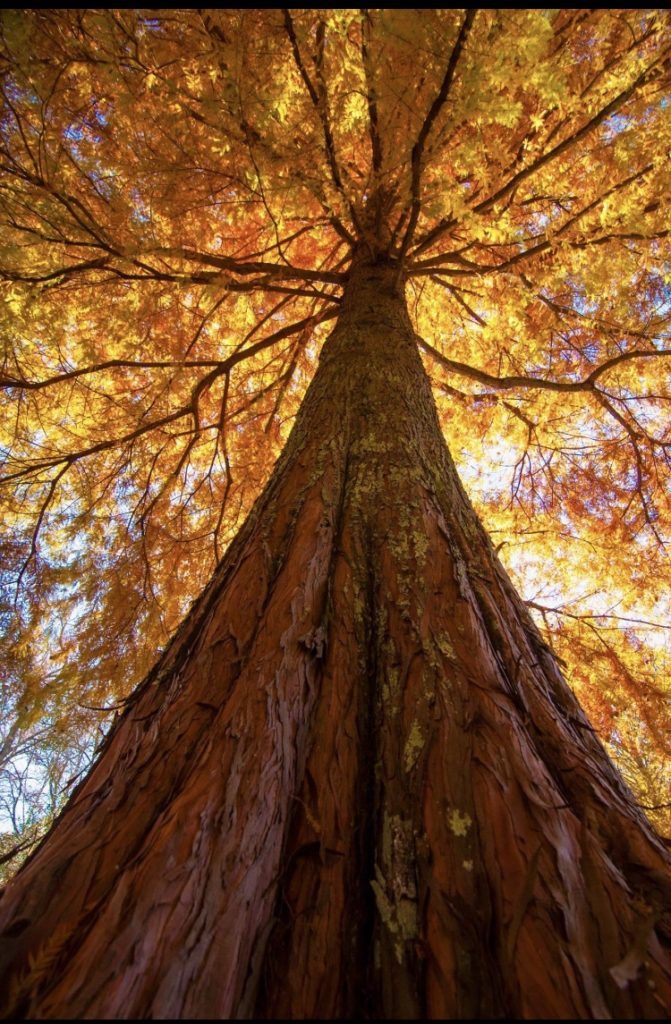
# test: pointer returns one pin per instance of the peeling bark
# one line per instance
(356, 783)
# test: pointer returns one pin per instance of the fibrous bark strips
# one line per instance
(356, 783)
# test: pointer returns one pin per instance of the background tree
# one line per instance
(185, 197)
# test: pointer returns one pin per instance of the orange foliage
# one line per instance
(180, 196)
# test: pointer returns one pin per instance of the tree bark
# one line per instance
(356, 783)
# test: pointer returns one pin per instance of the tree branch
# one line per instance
(434, 262)
(518, 381)
(187, 410)
(562, 147)
(434, 110)
(373, 125)
(14, 383)
(319, 102)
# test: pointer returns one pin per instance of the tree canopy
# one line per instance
(181, 195)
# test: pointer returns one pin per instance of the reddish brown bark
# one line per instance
(356, 783)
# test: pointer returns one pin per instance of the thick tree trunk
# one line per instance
(356, 783)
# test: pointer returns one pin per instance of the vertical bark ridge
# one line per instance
(149, 819)
(356, 784)
(513, 874)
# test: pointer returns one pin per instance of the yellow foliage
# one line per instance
(180, 188)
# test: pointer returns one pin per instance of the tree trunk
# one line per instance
(356, 783)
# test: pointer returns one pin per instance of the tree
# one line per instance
(355, 782)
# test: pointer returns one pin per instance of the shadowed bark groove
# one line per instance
(356, 784)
